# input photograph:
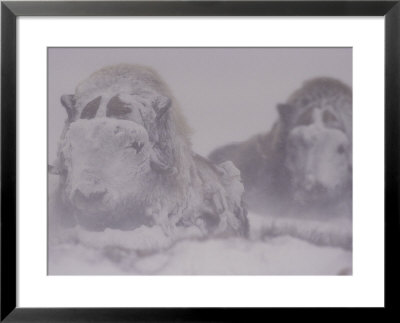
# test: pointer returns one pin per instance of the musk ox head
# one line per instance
(124, 132)
(317, 123)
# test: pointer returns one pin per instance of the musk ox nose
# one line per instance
(89, 199)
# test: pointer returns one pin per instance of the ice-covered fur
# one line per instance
(125, 160)
(304, 164)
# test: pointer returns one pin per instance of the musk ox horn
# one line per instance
(55, 170)
(52, 170)
(285, 111)
(68, 101)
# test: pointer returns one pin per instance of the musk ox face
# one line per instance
(319, 162)
(106, 163)
(318, 151)
(118, 133)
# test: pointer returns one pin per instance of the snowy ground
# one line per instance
(276, 246)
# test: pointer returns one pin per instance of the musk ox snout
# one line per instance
(318, 159)
(106, 160)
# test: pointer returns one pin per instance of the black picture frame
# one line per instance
(10, 11)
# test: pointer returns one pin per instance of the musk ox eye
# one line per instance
(328, 117)
(117, 108)
(341, 149)
(90, 110)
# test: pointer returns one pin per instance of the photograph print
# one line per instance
(200, 161)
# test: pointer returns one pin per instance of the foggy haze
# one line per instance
(226, 94)
(129, 195)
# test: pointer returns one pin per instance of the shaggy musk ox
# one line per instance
(125, 160)
(304, 163)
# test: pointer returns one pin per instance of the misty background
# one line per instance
(226, 94)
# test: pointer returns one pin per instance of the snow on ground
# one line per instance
(276, 246)
(334, 232)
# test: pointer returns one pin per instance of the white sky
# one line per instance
(226, 94)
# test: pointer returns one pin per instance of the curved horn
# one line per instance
(68, 101)
(285, 111)
(52, 170)
(55, 170)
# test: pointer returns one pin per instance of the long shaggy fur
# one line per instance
(263, 159)
(177, 186)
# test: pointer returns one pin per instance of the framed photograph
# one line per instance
(198, 161)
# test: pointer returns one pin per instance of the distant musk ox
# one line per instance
(125, 160)
(304, 163)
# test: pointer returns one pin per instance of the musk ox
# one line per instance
(125, 160)
(304, 163)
